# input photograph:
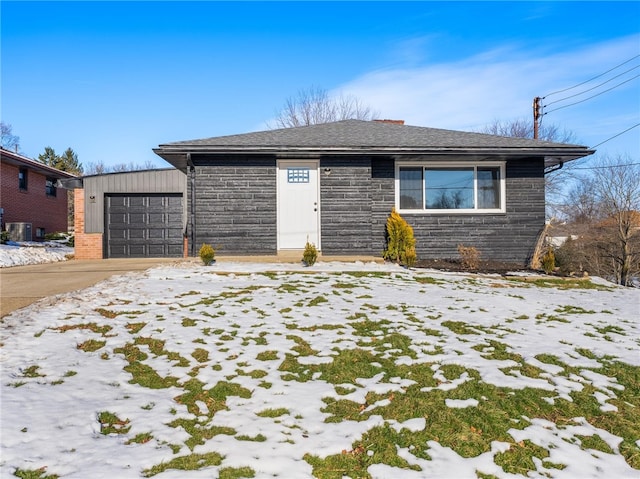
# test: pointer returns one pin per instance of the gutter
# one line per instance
(552, 169)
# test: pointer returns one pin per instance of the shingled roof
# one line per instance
(372, 138)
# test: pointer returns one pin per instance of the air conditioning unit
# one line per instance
(19, 231)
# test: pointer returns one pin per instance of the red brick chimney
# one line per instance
(396, 122)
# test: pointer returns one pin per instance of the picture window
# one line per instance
(450, 189)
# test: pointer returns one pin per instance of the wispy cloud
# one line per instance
(501, 84)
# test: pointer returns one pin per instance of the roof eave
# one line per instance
(553, 156)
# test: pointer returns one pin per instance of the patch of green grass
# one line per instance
(459, 327)
(34, 474)
(141, 438)
(302, 347)
(273, 412)
(200, 355)
(611, 329)
(90, 345)
(107, 313)
(236, 473)
(112, 424)
(258, 438)
(519, 458)
(199, 432)
(317, 300)
(147, 377)
(377, 446)
(560, 283)
(498, 351)
(134, 328)
(594, 442)
(93, 327)
(568, 309)
(214, 398)
(428, 280)
(32, 372)
(267, 356)
(192, 462)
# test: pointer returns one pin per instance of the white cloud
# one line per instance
(501, 84)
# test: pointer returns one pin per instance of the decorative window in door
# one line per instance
(297, 175)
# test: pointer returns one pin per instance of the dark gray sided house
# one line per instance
(335, 184)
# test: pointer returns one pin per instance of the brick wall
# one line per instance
(87, 245)
(32, 205)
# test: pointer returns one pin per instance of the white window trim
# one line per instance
(466, 211)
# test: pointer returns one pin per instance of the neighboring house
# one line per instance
(335, 184)
(31, 203)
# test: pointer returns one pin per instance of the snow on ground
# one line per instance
(276, 340)
(20, 254)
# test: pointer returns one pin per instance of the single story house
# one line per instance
(31, 204)
(335, 184)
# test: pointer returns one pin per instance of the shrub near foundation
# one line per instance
(310, 254)
(401, 244)
(470, 257)
(207, 254)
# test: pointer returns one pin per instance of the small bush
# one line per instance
(310, 254)
(207, 254)
(549, 260)
(401, 244)
(409, 256)
(4, 237)
(470, 257)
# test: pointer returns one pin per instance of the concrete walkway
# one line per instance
(21, 286)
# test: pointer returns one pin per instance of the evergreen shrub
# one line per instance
(401, 244)
(310, 254)
(207, 254)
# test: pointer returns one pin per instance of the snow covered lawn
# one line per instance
(247, 370)
(20, 254)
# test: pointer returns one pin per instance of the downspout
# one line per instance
(192, 206)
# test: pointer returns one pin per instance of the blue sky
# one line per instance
(112, 80)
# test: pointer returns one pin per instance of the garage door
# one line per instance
(143, 225)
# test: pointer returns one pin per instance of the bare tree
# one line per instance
(521, 128)
(604, 208)
(314, 106)
(616, 186)
(8, 139)
(101, 168)
(555, 180)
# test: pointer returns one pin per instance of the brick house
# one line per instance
(29, 194)
(335, 184)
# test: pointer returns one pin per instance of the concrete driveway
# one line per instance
(21, 286)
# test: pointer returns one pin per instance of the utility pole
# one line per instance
(536, 116)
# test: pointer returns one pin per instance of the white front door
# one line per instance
(298, 204)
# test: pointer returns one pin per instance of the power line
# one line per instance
(593, 96)
(591, 79)
(603, 167)
(592, 88)
(615, 136)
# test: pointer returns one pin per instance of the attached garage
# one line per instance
(143, 225)
(137, 214)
